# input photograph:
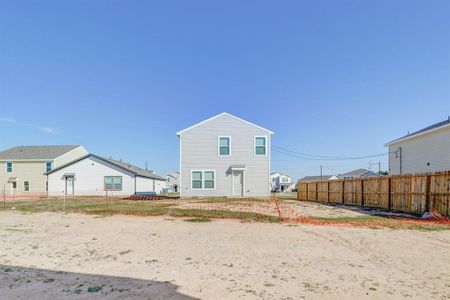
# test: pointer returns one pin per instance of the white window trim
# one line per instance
(218, 145)
(254, 145)
(12, 167)
(29, 185)
(51, 166)
(203, 180)
(113, 189)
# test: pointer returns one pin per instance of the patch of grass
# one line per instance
(198, 220)
(222, 214)
(268, 284)
(7, 270)
(48, 280)
(124, 252)
(150, 261)
(94, 289)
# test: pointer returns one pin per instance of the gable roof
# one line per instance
(359, 173)
(122, 165)
(422, 131)
(315, 178)
(220, 115)
(284, 174)
(36, 152)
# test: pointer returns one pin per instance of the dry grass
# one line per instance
(99, 206)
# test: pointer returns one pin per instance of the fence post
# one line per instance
(307, 193)
(389, 193)
(328, 191)
(362, 192)
(428, 200)
(343, 192)
(317, 191)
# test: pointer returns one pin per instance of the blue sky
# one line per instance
(336, 78)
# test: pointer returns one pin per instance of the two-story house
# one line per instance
(281, 182)
(173, 182)
(425, 150)
(23, 168)
(224, 156)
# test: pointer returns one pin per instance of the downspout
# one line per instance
(398, 154)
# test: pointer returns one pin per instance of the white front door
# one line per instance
(238, 183)
(69, 186)
(12, 188)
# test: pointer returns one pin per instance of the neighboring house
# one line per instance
(315, 178)
(23, 168)
(94, 175)
(355, 174)
(173, 182)
(426, 150)
(281, 182)
(225, 156)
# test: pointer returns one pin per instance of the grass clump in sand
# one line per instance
(198, 220)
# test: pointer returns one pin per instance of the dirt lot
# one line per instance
(53, 255)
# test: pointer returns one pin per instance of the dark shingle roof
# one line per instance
(434, 126)
(126, 166)
(36, 152)
(315, 178)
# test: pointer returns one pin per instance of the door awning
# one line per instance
(69, 175)
(12, 179)
(237, 167)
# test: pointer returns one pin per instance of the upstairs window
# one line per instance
(113, 183)
(260, 145)
(9, 167)
(48, 166)
(224, 146)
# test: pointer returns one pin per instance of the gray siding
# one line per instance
(198, 148)
(417, 152)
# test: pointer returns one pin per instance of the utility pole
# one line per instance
(379, 167)
(145, 165)
(321, 174)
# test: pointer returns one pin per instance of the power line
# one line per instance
(321, 157)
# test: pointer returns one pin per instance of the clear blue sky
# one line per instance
(334, 78)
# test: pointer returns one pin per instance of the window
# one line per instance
(284, 179)
(197, 180)
(48, 166)
(113, 183)
(260, 145)
(224, 146)
(26, 186)
(9, 167)
(203, 180)
(209, 180)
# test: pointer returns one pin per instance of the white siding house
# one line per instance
(224, 156)
(281, 182)
(23, 168)
(426, 150)
(93, 175)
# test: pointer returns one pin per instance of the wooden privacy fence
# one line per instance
(407, 193)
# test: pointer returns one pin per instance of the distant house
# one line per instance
(225, 156)
(280, 182)
(355, 174)
(94, 175)
(23, 168)
(315, 178)
(173, 182)
(426, 150)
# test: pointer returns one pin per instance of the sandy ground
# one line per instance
(289, 208)
(50, 255)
